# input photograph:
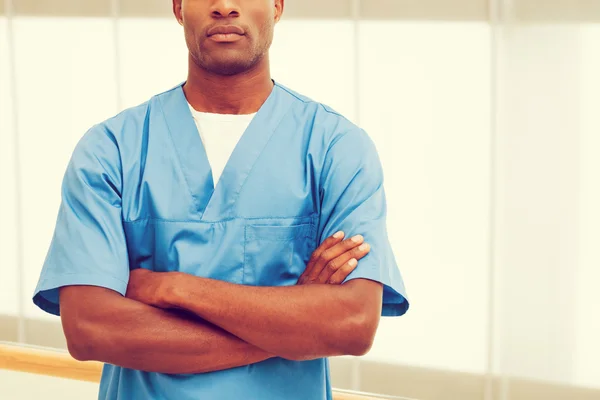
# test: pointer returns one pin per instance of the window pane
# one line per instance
(66, 83)
(587, 350)
(549, 192)
(316, 58)
(153, 58)
(425, 99)
(8, 220)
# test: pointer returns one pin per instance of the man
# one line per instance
(239, 290)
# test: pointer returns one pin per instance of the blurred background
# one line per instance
(486, 115)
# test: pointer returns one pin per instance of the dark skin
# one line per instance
(142, 332)
(178, 323)
(228, 77)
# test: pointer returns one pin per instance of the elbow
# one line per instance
(76, 353)
(79, 343)
(360, 344)
(359, 349)
(85, 316)
(352, 336)
(360, 334)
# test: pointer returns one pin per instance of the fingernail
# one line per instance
(338, 235)
(357, 238)
(363, 247)
(353, 262)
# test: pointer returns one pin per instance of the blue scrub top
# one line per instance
(138, 192)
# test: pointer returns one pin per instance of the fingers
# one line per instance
(327, 243)
(340, 275)
(341, 262)
(334, 259)
(328, 257)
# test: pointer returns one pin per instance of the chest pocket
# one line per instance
(276, 255)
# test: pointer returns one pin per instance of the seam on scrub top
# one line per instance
(288, 91)
(311, 217)
(304, 231)
(328, 110)
(311, 101)
(271, 240)
(187, 184)
(340, 137)
(244, 263)
(49, 276)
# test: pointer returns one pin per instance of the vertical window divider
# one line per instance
(356, 5)
(18, 190)
(115, 8)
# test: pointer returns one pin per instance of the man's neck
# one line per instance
(237, 94)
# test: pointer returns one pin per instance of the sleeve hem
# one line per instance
(395, 302)
(46, 293)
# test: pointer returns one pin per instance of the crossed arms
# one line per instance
(177, 323)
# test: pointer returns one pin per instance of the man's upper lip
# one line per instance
(225, 29)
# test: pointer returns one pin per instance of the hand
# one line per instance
(334, 260)
(148, 287)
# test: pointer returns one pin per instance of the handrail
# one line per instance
(60, 364)
(48, 362)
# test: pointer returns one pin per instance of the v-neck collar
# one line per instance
(215, 204)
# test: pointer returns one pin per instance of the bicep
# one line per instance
(367, 295)
(365, 298)
(81, 301)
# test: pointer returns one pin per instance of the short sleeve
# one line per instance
(88, 245)
(353, 200)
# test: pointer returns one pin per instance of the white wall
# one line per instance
(21, 386)
(587, 296)
(152, 58)
(8, 248)
(304, 59)
(66, 83)
(548, 186)
(425, 99)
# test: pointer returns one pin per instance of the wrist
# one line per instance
(170, 291)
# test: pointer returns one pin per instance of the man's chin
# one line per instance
(228, 67)
(228, 62)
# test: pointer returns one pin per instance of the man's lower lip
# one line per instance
(226, 37)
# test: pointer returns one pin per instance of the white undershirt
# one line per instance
(220, 133)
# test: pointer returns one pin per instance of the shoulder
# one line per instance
(126, 126)
(123, 129)
(341, 148)
(103, 146)
(328, 125)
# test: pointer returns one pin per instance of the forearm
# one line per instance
(137, 336)
(297, 322)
